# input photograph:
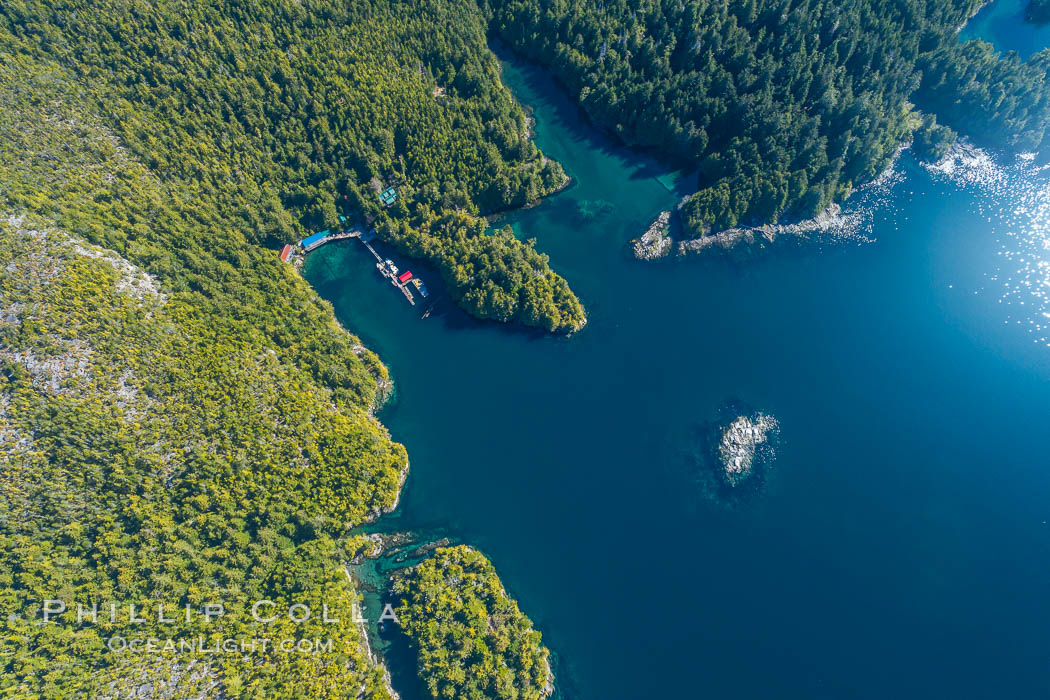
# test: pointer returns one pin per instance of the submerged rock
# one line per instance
(656, 242)
(590, 209)
(739, 445)
(1038, 12)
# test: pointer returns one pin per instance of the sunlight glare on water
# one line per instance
(1015, 199)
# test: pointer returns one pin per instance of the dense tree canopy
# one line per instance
(210, 436)
(473, 642)
(207, 432)
(996, 100)
(785, 105)
(283, 114)
(152, 454)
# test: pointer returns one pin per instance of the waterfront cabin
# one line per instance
(286, 252)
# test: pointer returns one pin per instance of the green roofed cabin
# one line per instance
(389, 196)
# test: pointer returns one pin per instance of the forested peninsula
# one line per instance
(473, 641)
(785, 106)
(182, 419)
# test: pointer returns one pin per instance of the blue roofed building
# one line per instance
(311, 242)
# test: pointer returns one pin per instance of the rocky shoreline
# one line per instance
(833, 224)
(656, 242)
(829, 221)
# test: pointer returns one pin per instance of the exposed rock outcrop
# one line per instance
(656, 242)
(740, 442)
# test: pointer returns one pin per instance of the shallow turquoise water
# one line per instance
(1002, 23)
(900, 547)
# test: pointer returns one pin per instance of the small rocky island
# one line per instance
(734, 454)
(656, 242)
(740, 443)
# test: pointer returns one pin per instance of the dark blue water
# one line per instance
(1002, 23)
(900, 547)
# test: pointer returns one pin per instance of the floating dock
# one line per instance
(386, 266)
(388, 269)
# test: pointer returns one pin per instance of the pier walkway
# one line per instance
(386, 268)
